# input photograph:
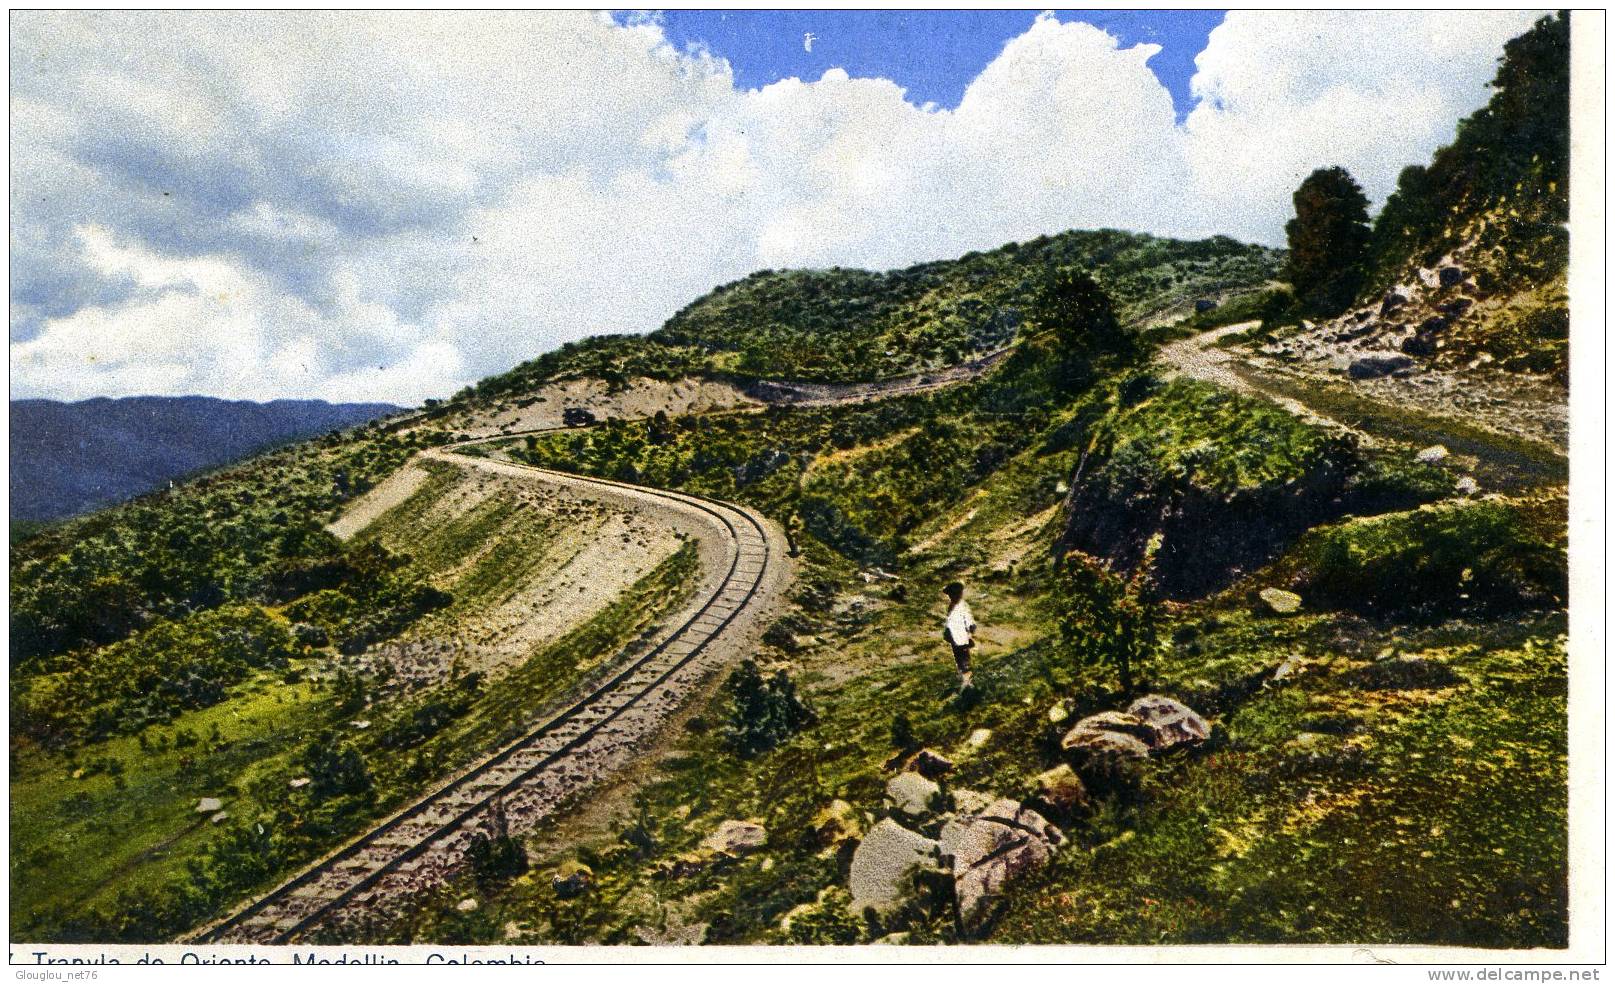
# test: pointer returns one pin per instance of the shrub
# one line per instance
(764, 711)
(1437, 560)
(1105, 620)
(495, 856)
(335, 768)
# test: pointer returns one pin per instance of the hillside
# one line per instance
(68, 458)
(1258, 661)
(852, 325)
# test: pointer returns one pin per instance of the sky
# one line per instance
(363, 206)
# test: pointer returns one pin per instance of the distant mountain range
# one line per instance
(69, 458)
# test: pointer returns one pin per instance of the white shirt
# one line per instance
(961, 624)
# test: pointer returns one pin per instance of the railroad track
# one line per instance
(426, 843)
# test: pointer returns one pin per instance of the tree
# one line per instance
(1106, 620)
(1328, 240)
(764, 711)
(1075, 308)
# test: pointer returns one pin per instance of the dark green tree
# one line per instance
(763, 711)
(1077, 310)
(1328, 240)
(336, 768)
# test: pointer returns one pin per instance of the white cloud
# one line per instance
(388, 206)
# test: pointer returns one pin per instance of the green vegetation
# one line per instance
(852, 325)
(1106, 620)
(1328, 241)
(1493, 556)
(763, 710)
(1510, 164)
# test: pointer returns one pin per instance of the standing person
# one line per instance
(960, 631)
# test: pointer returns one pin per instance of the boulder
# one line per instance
(209, 804)
(912, 796)
(1375, 366)
(978, 740)
(466, 905)
(1060, 712)
(571, 879)
(1091, 743)
(220, 816)
(1280, 601)
(1171, 723)
(836, 823)
(1431, 454)
(885, 866)
(1061, 789)
(930, 764)
(736, 837)
(1467, 486)
(299, 782)
(988, 851)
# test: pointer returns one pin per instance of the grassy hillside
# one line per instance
(853, 325)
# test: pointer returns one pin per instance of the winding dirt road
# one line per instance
(373, 878)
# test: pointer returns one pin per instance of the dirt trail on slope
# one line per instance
(1500, 461)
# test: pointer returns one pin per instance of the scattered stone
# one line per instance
(930, 764)
(209, 804)
(1060, 713)
(1431, 454)
(912, 795)
(1394, 298)
(978, 739)
(736, 837)
(1287, 669)
(1280, 601)
(571, 879)
(514, 930)
(466, 905)
(885, 865)
(992, 849)
(1171, 722)
(836, 823)
(1467, 486)
(360, 725)
(1061, 789)
(221, 816)
(300, 782)
(1375, 366)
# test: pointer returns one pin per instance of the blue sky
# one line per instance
(932, 53)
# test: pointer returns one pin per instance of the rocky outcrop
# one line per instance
(989, 850)
(1171, 723)
(1061, 790)
(886, 867)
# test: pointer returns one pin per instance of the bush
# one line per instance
(1106, 621)
(1434, 561)
(763, 711)
(496, 857)
(336, 768)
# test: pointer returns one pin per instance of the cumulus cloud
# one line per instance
(360, 206)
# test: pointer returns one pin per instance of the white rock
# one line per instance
(209, 804)
(883, 866)
(466, 905)
(1431, 454)
(736, 837)
(299, 783)
(1280, 601)
(912, 795)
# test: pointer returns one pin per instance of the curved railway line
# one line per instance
(426, 843)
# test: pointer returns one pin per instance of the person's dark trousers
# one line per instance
(961, 657)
